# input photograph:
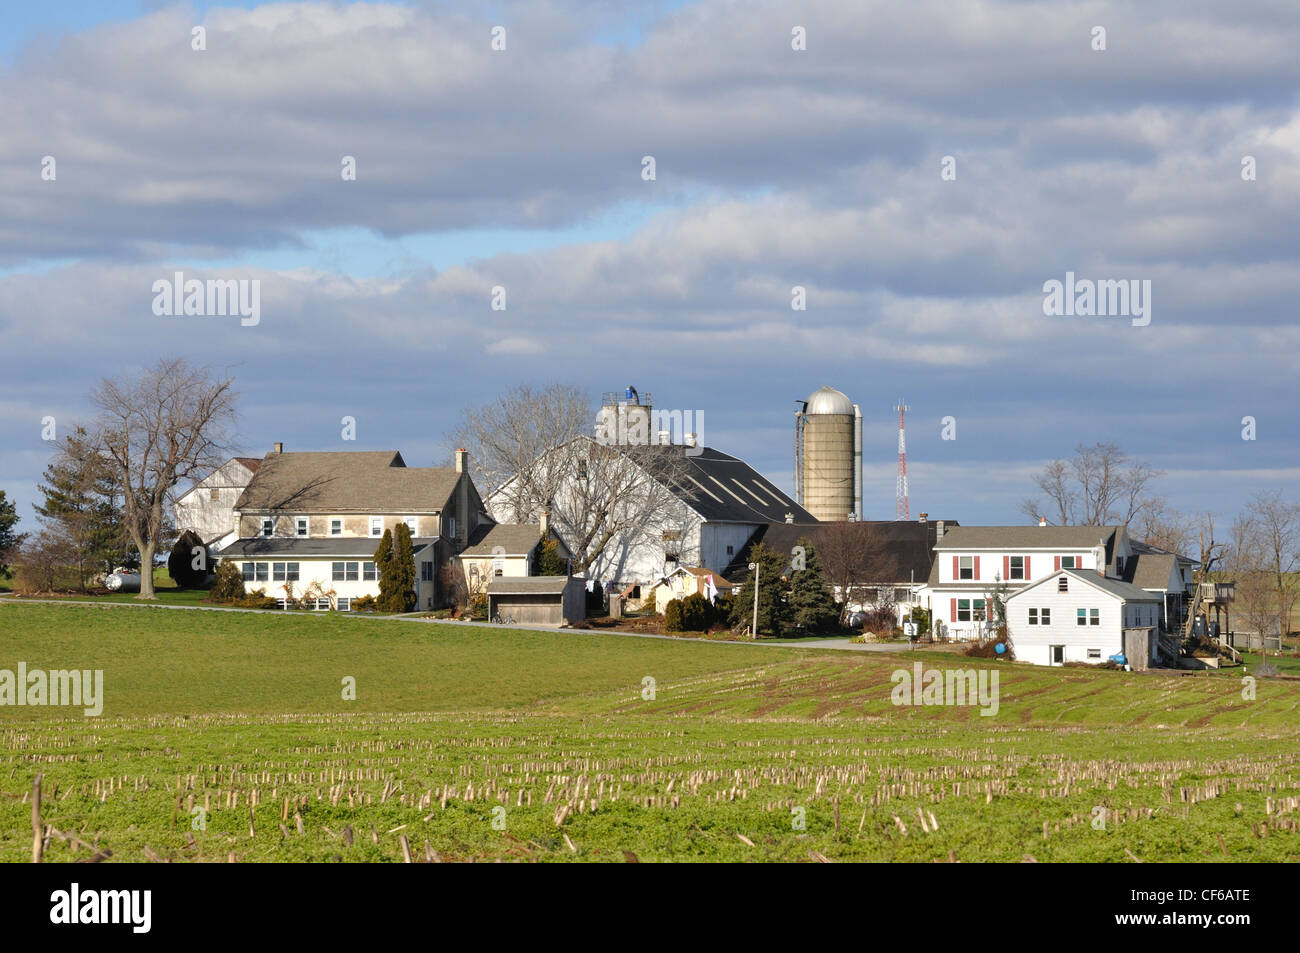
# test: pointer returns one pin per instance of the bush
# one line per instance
(673, 616)
(257, 599)
(478, 605)
(696, 613)
(228, 585)
(363, 604)
(879, 619)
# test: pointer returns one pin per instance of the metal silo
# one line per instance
(829, 448)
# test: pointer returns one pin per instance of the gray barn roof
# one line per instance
(722, 488)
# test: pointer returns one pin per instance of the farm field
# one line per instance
(224, 735)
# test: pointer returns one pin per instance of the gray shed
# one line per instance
(538, 600)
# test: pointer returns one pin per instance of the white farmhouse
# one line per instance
(1080, 616)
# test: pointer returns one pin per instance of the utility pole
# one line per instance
(753, 632)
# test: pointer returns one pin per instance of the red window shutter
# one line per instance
(956, 567)
(1027, 575)
(1057, 566)
(954, 610)
(977, 569)
(1006, 568)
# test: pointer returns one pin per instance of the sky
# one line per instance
(922, 170)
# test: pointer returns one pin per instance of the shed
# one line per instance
(538, 600)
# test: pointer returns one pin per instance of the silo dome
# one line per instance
(829, 401)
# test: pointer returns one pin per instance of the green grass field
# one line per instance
(480, 743)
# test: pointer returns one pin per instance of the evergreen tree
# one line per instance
(774, 616)
(547, 560)
(812, 605)
(188, 562)
(395, 561)
(9, 540)
(80, 503)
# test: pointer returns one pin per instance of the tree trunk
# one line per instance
(146, 572)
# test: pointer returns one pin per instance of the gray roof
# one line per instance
(527, 585)
(1026, 537)
(1116, 587)
(907, 544)
(1151, 570)
(346, 482)
(516, 539)
(306, 547)
(720, 487)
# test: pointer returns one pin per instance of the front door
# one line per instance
(1058, 654)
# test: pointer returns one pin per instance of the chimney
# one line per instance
(462, 458)
(278, 447)
(665, 437)
(545, 521)
(938, 530)
(925, 517)
(690, 439)
(789, 517)
(1042, 521)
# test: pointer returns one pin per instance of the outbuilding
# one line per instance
(1079, 616)
(538, 600)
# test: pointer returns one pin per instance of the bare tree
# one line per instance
(1266, 555)
(505, 439)
(855, 560)
(1100, 485)
(166, 425)
(1161, 526)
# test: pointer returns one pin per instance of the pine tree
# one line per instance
(9, 540)
(80, 502)
(395, 562)
(774, 616)
(812, 605)
(547, 560)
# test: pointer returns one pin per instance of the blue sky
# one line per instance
(774, 168)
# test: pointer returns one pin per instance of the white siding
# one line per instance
(1032, 642)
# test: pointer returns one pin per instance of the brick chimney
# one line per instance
(545, 521)
(1042, 521)
(462, 460)
(278, 447)
(925, 517)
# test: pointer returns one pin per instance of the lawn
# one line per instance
(493, 743)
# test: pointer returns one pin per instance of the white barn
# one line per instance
(1078, 616)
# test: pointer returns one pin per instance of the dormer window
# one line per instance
(300, 526)
(376, 526)
(268, 526)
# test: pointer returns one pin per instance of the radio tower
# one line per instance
(900, 502)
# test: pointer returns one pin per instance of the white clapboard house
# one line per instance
(1080, 616)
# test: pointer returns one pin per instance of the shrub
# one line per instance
(228, 585)
(363, 604)
(696, 613)
(257, 599)
(673, 616)
(478, 605)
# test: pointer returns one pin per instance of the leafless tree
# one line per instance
(855, 560)
(154, 430)
(1100, 485)
(1266, 557)
(1161, 526)
(506, 438)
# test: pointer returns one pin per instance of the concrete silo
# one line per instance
(828, 451)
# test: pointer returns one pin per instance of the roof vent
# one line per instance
(279, 447)
(1063, 584)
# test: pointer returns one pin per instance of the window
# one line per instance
(345, 604)
(1094, 654)
(1069, 562)
(376, 526)
(426, 572)
(731, 550)
(1017, 568)
(248, 572)
(497, 572)
(344, 572)
(451, 526)
(260, 571)
(268, 526)
(1046, 616)
(1033, 617)
(411, 524)
(979, 610)
(368, 572)
(300, 526)
(1081, 616)
(965, 567)
(336, 527)
(214, 495)
(284, 572)
(963, 610)
(1063, 584)
(1094, 617)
